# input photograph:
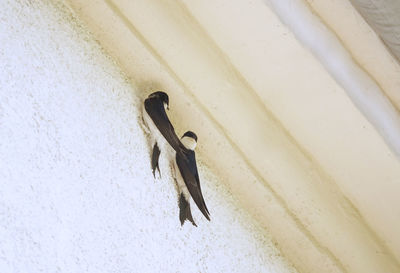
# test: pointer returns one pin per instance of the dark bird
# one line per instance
(187, 179)
(159, 126)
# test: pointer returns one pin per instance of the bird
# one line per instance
(187, 179)
(158, 126)
(180, 154)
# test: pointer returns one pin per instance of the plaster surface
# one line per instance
(76, 189)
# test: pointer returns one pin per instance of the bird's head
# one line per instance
(189, 140)
(162, 96)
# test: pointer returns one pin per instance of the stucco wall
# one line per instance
(76, 190)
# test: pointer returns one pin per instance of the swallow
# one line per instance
(159, 126)
(184, 170)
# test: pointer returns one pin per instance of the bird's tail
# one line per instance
(154, 160)
(184, 210)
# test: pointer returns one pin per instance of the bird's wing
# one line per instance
(155, 109)
(188, 169)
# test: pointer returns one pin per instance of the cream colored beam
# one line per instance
(364, 92)
(162, 46)
(362, 187)
(363, 44)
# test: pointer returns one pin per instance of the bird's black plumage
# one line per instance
(154, 160)
(190, 134)
(154, 106)
(184, 210)
(187, 166)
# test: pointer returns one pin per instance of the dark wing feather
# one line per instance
(155, 108)
(187, 166)
(154, 160)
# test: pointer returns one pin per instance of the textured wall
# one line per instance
(76, 190)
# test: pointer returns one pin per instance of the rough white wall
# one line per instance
(76, 190)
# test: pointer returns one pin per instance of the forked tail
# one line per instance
(184, 210)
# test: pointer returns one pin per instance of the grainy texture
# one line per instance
(76, 188)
